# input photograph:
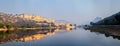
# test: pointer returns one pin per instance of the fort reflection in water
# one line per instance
(28, 35)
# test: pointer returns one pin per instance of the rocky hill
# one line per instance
(30, 21)
(111, 20)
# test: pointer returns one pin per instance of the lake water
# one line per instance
(56, 37)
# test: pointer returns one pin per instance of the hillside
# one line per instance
(30, 21)
(111, 20)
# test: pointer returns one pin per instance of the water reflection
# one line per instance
(28, 35)
(108, 32)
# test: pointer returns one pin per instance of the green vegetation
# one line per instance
(2, 25)
(9, 26)
(9, 32)
(2, 33)
(5, 33)
(23, 28)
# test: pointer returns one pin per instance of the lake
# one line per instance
(63, 37)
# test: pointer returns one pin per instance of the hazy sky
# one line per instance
(75, 11)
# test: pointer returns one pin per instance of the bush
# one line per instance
(9, 26)
(91, 23)
(1, 25)
(23, 28)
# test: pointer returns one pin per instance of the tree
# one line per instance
(1, 25)
(106, 22)
(9, 26)
(91, 23)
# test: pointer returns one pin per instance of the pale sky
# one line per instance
(74, 11)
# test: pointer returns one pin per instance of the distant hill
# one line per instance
(63, 21)
(97, 19)
(112, 20)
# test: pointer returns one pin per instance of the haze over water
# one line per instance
(74, 11)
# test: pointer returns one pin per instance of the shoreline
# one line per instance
(103, 26)
(12, 29)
